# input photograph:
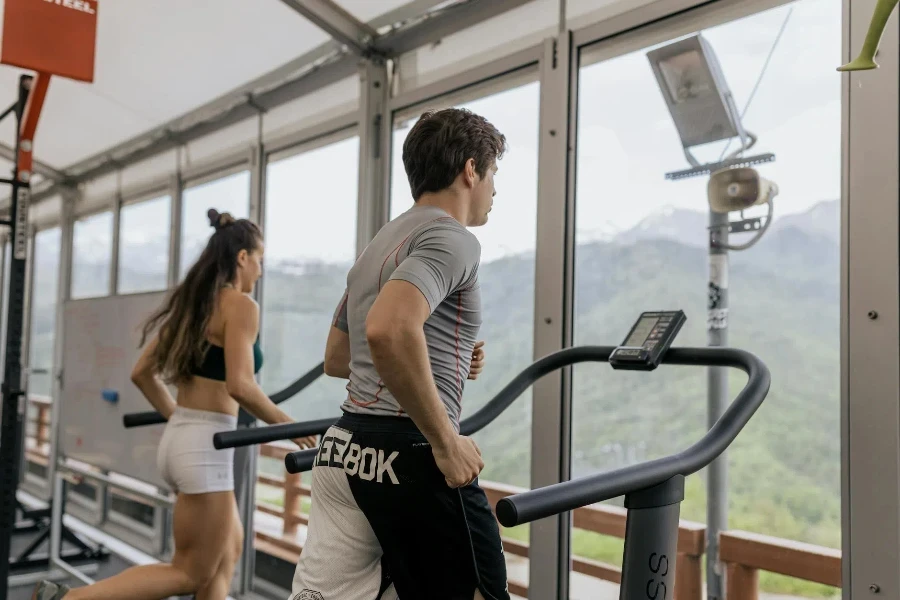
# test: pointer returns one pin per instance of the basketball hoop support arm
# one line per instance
(33, 106)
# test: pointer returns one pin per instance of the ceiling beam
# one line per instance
(223, 113)
(336, 22)
(40, 168)
(409, 29)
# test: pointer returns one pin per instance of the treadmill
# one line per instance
(653, 489)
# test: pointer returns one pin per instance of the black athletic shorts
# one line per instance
(384, 524)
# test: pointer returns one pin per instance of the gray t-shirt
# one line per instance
(433, 251)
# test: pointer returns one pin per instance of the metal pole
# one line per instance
(64, 287)
(717, 393)
(57, 485)
(13, 406)
(562, 17)
(651, 541)
(243, 482)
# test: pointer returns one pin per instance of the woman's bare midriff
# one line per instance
(201, 393)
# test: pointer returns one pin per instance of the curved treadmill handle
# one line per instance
(300, 461)
(561, 497)
(297, 462)
(152, 417)
(271, 433)
(140, 419)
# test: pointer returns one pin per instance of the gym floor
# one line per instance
(19, 542)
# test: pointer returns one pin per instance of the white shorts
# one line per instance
(186, 458)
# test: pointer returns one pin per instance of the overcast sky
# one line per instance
(626, 144)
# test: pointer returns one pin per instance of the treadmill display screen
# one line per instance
(648, 340)
(641, 331)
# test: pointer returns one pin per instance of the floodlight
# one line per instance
(694, 88)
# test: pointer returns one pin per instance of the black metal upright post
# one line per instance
(12, 410)
(651, 541)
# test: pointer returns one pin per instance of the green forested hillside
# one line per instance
(784, 307)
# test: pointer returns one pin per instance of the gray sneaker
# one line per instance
(47, 590)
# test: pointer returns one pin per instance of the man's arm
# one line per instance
(396, 335)
(337, 347)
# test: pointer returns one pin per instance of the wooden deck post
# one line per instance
(742, 583)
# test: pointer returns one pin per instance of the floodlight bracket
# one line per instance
(706, 169)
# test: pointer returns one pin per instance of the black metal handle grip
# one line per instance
(300, 461)
(152, 417)
(297, 462)
(140, 419)
(273, 433)
(561, 497)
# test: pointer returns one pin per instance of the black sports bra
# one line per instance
(213, 365)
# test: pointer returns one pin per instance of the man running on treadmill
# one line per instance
(396, 509)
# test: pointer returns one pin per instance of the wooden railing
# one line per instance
(37, 446)
(744, 554)
(610, 520)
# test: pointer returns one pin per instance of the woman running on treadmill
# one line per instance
(207, 345)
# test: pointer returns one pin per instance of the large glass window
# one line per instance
(92, 255)
(310, 231)
(642, 244)
(508, 243)
(229, 194)
(144, 245)
(43, 310)
(306, 266)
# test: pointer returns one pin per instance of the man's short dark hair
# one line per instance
(437, 148)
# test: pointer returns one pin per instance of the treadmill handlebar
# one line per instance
(273, 433)
(152, 417)
(300, 461)
(140, 419)
(561, 497)
(297, 462)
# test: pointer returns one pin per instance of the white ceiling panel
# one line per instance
(157, 60)
(366, 10)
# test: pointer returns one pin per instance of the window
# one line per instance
(310, 237)
(310, 234)
(43, 311)
(229, 194)
(144, 245)
(92, 255)
(642, 244)
(508, 243)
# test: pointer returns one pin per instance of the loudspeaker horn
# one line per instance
(737, 189)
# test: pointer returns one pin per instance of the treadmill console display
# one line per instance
(649, 339)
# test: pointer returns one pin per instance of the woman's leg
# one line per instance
(218, 588)
(200, 544)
